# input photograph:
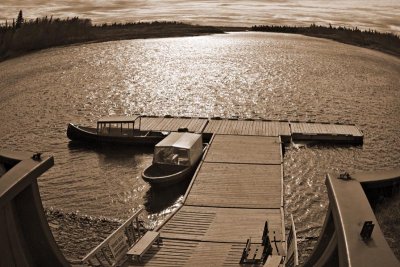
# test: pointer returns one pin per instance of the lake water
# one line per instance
(274, 76)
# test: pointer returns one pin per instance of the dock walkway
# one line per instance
(287, 130)
(237, 187)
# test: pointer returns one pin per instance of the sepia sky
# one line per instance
(380, 15)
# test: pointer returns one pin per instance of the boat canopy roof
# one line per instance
(180, 140)
(118, 119)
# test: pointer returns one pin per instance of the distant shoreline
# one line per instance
(46, 32)
(17, 40)
(388, 43)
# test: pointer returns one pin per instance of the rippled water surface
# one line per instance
(274, 76)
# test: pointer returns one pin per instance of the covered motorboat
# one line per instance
(175, 158)
(115, 130)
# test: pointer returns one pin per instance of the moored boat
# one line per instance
(115, 130)
(175, 159)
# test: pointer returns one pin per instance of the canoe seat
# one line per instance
(143, 245)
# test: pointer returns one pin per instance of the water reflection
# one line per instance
(158, 199)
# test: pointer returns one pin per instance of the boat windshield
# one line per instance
(116, 129)
(171, 156)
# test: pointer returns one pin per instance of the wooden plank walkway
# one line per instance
(192, 253)
(172, 124)
(237, 187)
(326, 132)
(298, 131)
(248, 127)
(216, 224)
(229, 200)
(245, 149)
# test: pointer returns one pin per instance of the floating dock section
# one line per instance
(326, 132)
(287, 130)
(168, 123)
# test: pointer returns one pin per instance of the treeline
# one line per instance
(22, 36)
(42, 33)
(385, 42)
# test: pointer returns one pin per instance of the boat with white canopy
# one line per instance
(175, 158)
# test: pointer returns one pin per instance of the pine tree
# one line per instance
(20, 20)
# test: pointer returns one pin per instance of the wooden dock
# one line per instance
(168, 123)
(237, 187)
(288, 131)
(325, 132)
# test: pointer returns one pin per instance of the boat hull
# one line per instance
(89, 135)
(174, 174)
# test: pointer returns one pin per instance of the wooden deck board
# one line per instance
(149, 123)
(241, 126)
(193, 254)
(248, 127)
(237, 185)
(176, 123)
(213, 125)
(326, 132)
(260, 128)
(222, 225)
(285, 128)
(171, 124)
(245, 149)
(164, 124)
(235, 126)
(224, 126)
(319, 128)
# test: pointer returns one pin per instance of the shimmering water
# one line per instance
(274, 76)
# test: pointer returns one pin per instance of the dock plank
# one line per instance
(245, 149)
(216, 126)
(284, 128)
(225, 225)
(237, 185)
(326, 132)
(240, 127)
(172, 124)
(149, 123)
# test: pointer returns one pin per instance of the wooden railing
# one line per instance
(344, 240)
(112, 251)
(292, 254)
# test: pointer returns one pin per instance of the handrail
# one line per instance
(341, 237)
(350, 209)
(106, 241)
(292, 258)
